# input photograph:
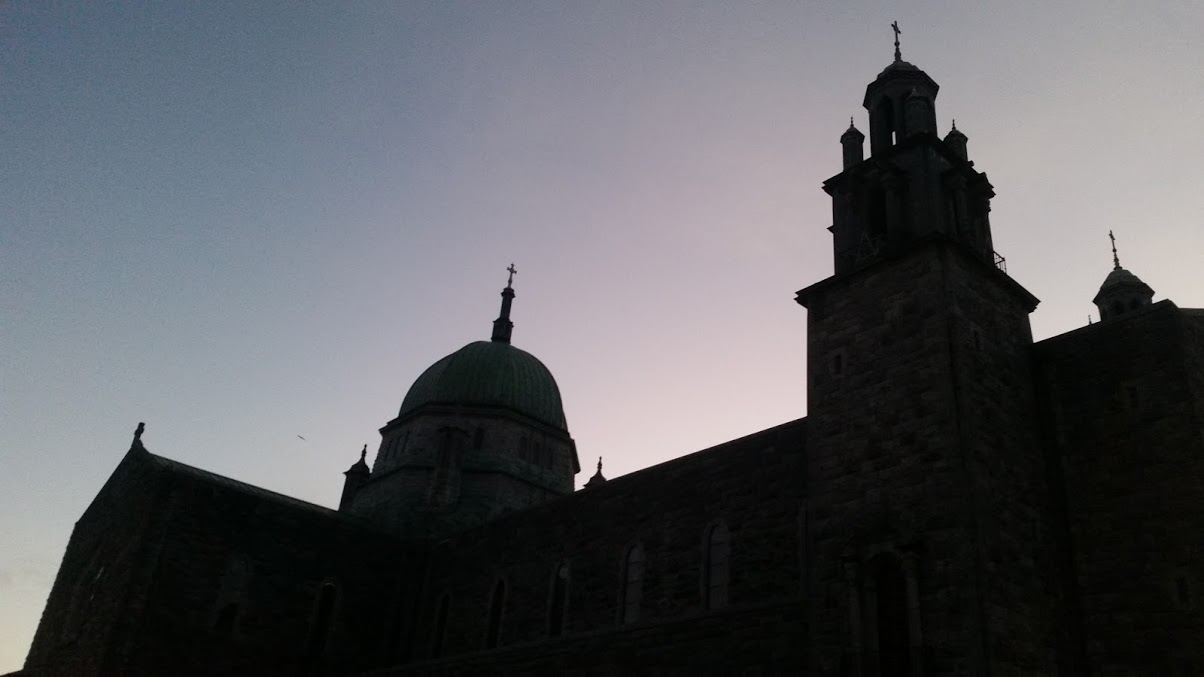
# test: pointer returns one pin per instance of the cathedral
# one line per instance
(959, 500)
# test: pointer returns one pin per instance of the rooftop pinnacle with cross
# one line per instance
(510, 280)
(1115, 258)
(895, 26)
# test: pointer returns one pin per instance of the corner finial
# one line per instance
(898, 55)
(137, 443)
(502, 326)
(1115, 258)
(597, 479)
(954, 125)
(851, 122)
(363, 453)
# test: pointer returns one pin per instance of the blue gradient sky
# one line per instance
(243, 222)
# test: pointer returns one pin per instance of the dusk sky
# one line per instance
(247, 222)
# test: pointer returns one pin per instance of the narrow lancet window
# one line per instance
(323, 617)
(890, 587)
(633, 585)
(440, 626)
(716, 570)
(495, 615)
(560, 587)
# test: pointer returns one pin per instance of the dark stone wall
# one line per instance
(100, 587)
(207, 542)
(1126, 398)
(922, 452)
(753, 485)
(750, 640)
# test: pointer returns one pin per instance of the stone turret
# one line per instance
(1122, 292)
(356, 477)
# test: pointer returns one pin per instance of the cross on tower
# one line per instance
(895, 26)
(1115, 258)
(510, 280)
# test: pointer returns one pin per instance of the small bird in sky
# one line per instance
(302, 438)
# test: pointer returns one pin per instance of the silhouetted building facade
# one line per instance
(959, 500)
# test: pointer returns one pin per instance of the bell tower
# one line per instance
(913, 184)
(926, 482)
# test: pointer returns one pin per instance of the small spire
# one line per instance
(502, 326)
(954, 125)
(137, 443)
(1115, 258)
(851, 126)
(895, 26)
(360, 467)
(597, 479)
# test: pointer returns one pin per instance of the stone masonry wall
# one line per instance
(100, 584)
(752, 485)
(1125, 414)
(289, 552)
(921, 449)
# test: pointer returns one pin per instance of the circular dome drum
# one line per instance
(490, 374)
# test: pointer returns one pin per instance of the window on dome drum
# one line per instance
(715, 573)
(560, 586)
(440, 626)
(495, 615)
(322, 621)
(632, 591)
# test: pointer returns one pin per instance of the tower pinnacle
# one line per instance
(502, 326)
(1115, 258)
(898, 55)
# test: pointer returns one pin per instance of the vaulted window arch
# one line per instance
(715, 569)
(632, 592)
(496, 602)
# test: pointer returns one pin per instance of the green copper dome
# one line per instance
(490, 374)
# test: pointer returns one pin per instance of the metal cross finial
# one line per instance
(895, 25)
(1115, 258)
(510, 280)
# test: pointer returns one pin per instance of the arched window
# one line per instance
(715, 573)
(440, 626)
(323, 617)
(882, 126)
(633, 585)
(559, 599)
(495, 615)
(225, 619)
(890, 591)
